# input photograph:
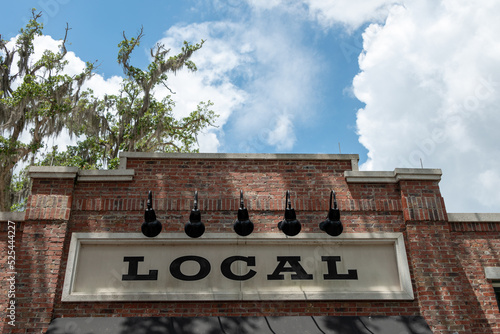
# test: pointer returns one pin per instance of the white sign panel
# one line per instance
(129, 266)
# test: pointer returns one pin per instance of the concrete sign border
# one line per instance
(404, 292)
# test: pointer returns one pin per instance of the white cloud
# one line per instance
(351, 14)
(208, 142)
(254, 72)
(282, 136)
(211, 82)
(214, 61)
(101, 86)
(265, 4)
(430, 80)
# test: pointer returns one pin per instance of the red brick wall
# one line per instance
(439, 264)
(4, 284)
(39, 271)
(477, 245)
(39, 251)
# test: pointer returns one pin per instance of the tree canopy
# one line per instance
(38, 100)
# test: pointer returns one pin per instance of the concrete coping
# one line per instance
(414, 174)
(105, 175)
(474, 217)
(12, 216)
(60, 172)
(52, 172)
(492, 273)
(228, 156)
(354, 158)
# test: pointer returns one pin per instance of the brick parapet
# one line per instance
(40, 248)
(50, 199)
(422, 201)
(38, 259)
(407, 201)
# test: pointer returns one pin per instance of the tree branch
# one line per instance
(127, 48)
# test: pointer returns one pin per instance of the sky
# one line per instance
(404, 84)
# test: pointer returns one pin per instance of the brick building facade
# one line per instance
(452, 258)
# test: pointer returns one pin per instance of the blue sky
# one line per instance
(401, 83)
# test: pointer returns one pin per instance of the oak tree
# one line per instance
(38, 100)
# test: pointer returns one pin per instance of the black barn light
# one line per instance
(332, 225)
(243, 226)
(195, 228)
(290, 226)
(151, 227)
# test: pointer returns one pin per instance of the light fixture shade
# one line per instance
(195, 228)
(243, 226)
(290, 225)
(151, 226)
(332, 225)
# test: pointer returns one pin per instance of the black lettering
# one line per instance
(225, 267)
(175, 268)
(300, 273)
(332, 269)
(132, 275)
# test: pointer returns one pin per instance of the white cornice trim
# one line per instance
(393, 177)
(12, 216)
(58, 172)
(473, 217)
(492, 273)
(105, 175)
(52, 172)
(233, 156)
